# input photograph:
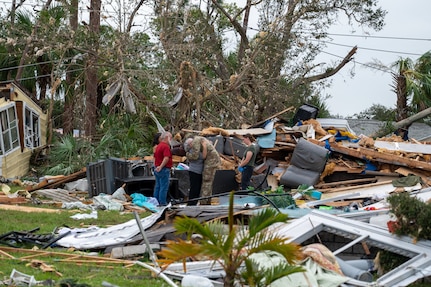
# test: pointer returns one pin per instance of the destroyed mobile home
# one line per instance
(23, 128)
(335, 184)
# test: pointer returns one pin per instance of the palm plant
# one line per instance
(412, 82)
(421, 90)
(69, 155)
(233, 247)
(122, 136)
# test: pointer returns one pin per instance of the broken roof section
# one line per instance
(417, 267)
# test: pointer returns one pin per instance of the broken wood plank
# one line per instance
(342, 203)
(348, 170)
(273, 116)
(371, 155)
(28, 208)
(366, 190)
(381, 173)
(7, 254)
(57, 183)
(12, 200)
(28, 254)
(346, 182)
(347, 188)
(286, 144)
(132, 207)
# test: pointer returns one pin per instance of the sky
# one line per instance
(406, 34)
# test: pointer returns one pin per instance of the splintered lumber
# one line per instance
(271, 117)
(372, 155)
(333, 191)
(12, 200)
(343, 203)
(28, 208)
(57, 183)
(346, 182)
(29, 254)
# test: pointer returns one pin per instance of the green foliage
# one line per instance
(236, 82)
(419, 82)
(71, 272)
(386, 129)
(377, 112)
(412, 85)
(47, 221)
(412, 216)
(319, 102)
(279, 197)
(388, 261)
(123, 137)
(232, 246)
(79, 274)
(68, 155)
(255, 275)
(261, 73)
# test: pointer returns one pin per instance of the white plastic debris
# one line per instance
(93, 214)
(120, 193)
(195, 281)
(22, 279)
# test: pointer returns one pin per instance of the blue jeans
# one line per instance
(162, 185)
(246, 177)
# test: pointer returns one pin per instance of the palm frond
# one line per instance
(179, 250)
(265, 218)
(255, 275)
(232, 245)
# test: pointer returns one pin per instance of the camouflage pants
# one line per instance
(211, 165)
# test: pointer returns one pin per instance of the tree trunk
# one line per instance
(401, 111)
(69, 101)
(401, 84)
(91, 68)
(406, 123)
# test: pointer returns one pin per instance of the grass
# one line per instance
(72, 273)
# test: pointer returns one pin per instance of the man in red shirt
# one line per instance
(163, 165)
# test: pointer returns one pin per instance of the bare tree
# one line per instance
(268, 68)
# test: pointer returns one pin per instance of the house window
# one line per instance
(31, 128)
(9, 130)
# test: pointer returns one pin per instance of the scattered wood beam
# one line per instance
(371, 155)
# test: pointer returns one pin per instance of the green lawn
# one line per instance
(80, 273)
(73, 273)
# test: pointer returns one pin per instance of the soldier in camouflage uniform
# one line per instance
(211, 164)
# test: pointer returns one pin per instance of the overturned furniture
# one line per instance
(306, 165)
